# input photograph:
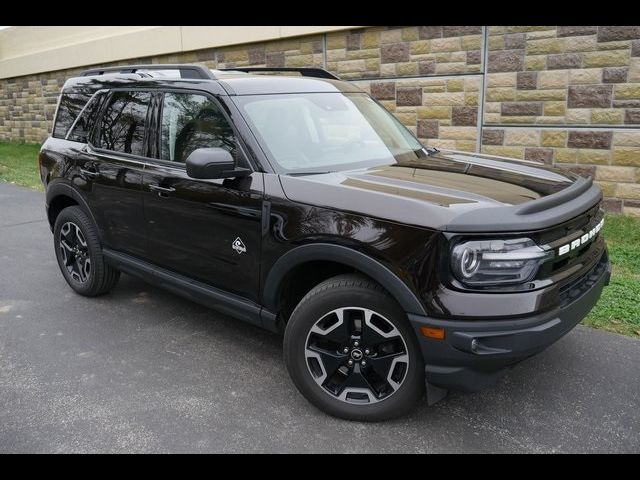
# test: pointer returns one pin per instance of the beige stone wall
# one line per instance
(299, 52)
(407, 51)
(27, 106)
(568, 96)
(441, 111)
(563, 75)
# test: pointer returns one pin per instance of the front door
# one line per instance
(209, 230)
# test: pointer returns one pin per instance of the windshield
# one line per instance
(316, 132)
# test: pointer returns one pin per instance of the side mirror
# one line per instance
(208, 163)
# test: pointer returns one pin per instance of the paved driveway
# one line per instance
(141, 370)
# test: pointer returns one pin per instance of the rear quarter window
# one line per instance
(86, 120)
(70, 106)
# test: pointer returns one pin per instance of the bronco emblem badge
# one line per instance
(238, 246)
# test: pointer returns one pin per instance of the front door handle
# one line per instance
(89, 173)
(162, 191)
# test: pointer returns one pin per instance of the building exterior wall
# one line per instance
(30, 50)
(568, 96)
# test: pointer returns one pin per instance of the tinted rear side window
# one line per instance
(87, 119)
(68, 109)
(123, 122)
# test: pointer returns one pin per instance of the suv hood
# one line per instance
(447, 190)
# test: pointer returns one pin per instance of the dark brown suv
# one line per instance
(294, 201)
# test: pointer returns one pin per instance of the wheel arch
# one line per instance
(60, 196)
(336, 254)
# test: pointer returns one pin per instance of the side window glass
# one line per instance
(87, 119)
(191, 121)
(123, 122)
(68, 109)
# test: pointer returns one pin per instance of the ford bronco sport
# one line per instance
(295, 202)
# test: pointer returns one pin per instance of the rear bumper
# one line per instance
(474, 353)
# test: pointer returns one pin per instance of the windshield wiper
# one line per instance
(299, 174)
(431, 150)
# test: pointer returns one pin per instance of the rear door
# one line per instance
(110, 169)
(209, 230)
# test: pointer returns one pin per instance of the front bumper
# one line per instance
(474, 354)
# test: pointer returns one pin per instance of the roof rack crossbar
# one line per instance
(186, 70)
(304, 71)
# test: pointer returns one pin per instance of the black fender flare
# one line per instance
(62, 188)
(348, 256)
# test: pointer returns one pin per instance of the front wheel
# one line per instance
(351, 351)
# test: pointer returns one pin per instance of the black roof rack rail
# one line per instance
(304, 71)
(186, 70)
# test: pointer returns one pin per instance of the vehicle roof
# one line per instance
(225, 83)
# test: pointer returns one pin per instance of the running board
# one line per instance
(228, 303)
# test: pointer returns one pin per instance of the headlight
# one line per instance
(497, 262)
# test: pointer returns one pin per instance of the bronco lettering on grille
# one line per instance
(581, 240)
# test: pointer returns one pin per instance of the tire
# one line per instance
(79, 254)
(336, 309)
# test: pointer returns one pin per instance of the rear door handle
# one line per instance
(162, 191)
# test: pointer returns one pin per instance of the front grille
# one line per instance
(563, 268)
(566, 229)
(574, 289)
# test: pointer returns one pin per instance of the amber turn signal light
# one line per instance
(432, 332)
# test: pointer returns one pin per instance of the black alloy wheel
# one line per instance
(356, 355)
(74, 252)
(351, 351)
(79, 254)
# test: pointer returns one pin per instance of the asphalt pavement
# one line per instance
(142, 370)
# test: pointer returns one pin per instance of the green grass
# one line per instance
(617, 311)
(619, 307)
(19, 164)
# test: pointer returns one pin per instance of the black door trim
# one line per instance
(228, 303)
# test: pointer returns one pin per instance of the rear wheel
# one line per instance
(79, 254)
(351, 351)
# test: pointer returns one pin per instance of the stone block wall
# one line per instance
(568, 96)
(562, 95)
(405, 52)
(441, 111)
(27, 106)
